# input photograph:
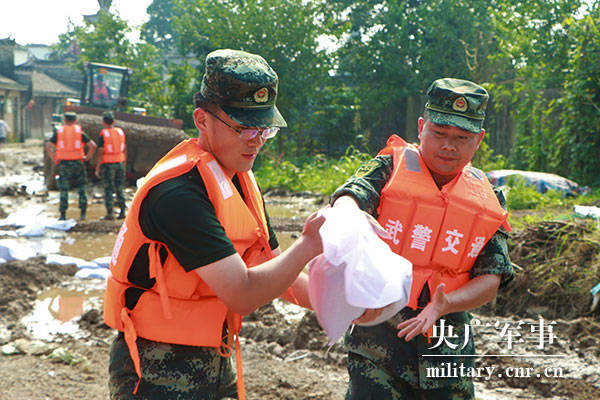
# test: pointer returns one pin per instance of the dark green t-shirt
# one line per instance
(179, 214)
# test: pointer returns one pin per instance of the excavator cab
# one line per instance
(105, 86)
(149, 138)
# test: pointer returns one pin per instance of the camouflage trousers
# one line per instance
(170, 371)
(113, 177)
(383, 366)
(72, 172)
(370, 382)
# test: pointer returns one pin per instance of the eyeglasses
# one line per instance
(250, 133)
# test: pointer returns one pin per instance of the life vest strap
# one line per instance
(156, 271)
(240, 373)
(130, 338)
(225, 350)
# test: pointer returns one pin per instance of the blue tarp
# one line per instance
(542, 181)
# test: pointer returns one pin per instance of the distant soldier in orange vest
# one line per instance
(196, 250)
(66, 148)
(444, 216)
(112, 157)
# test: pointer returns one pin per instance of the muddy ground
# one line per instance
(286, 358)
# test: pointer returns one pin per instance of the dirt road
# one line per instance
(284, 358)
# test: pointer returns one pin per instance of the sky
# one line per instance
(41, 21)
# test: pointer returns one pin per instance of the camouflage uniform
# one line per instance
(72, 171)
(382, 366)
(113, 177)
(170, 371)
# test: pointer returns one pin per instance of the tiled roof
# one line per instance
(7, 83)
(43, 85)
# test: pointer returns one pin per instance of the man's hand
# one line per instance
(426, 318)
(310, 232)
(98, 173)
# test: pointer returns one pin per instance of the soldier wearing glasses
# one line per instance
(180, 266)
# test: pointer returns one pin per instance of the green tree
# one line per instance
(535, 38)
(577, 147)
(284, 32)
(158, 29)
(106, 41)
(393, 50)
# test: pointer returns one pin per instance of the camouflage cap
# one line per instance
(457, 102)
(243, 85)
(108, 115)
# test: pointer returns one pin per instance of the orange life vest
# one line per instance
(69, 143)
(440, 231)
(100, 92)
(114, 145)
(181, 308)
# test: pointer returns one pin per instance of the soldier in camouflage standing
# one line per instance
(444, 216)
(66, 148)
(112, 156)
(180, 280)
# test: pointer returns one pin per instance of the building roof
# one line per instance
(7, 83)
(59, 70)
(43, 85)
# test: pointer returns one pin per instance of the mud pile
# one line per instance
(20, 283)
(558, 263)
(146, 144)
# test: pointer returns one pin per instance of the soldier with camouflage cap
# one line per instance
(429, 199)
(195, 225)
(67, 148)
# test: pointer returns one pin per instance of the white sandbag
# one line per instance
(103, 262)
(64, 260)
(356, 271)
(31, 230)
(93, 273)
(377, 276)
(328, 299)
(33, 222)
(61, 225)
(11, 249)
(587, 211)
(23, 217)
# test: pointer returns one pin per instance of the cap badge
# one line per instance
(261, 95)
(460, 104)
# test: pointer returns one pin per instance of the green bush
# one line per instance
(317, 174)
(522, 196)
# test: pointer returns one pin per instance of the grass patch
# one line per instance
(317, 174)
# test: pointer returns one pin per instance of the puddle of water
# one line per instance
(88, 245)
(285, 240)
(30, 212)
(95, 208)
(55, 311)
(295, 208)
(291, 207)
